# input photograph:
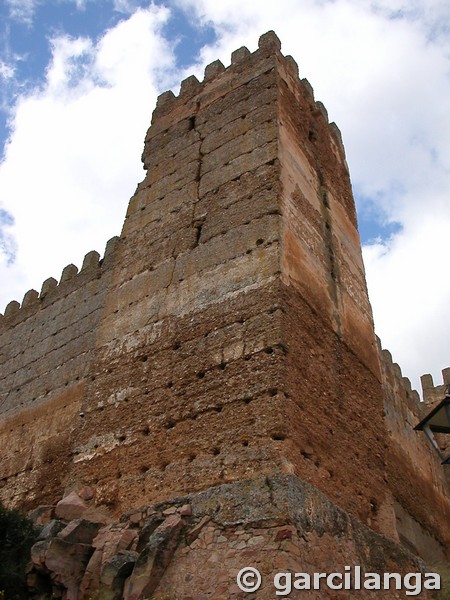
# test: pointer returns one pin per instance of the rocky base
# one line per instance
(193, 547)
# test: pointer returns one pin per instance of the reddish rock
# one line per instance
(135, 517)
(110, 541)
(193, 533)
(86, 493)
(170, 511)
(71, 507)
(79, 531)
(66, 563)
(154, 559)
(38, 552)
(185, 510)
(114, 574)
(51, 529)
(283, 534)
(150, 525)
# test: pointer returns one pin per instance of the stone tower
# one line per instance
(223, 352)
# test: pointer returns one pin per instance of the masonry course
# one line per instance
(227, 334)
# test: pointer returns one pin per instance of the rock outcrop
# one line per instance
(194, 547)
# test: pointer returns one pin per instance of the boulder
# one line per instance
(110, 541)
(86, 493)
(150, 525)
(154, 559)
(38, 552)
(71, 507)
(79, 531)
(114, 573)
(50, 530)
(67, 563)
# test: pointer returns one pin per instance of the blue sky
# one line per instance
(27, 27)
(78, 82)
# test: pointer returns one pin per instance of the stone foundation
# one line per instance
(193, 547)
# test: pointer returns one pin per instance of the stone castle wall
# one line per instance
(227, 334)
(46, 345)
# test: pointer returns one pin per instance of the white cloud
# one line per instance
(380, 66)
(22, 10)
(124, 6)
(410, 293)
(73, 159)
(7, 71)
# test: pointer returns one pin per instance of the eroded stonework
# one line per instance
(226, 336)
(194, 546)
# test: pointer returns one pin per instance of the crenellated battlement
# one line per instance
(269, 46)
(52, 290)
(194, 93)
(46, 341)
(433, 394)
(400, 385)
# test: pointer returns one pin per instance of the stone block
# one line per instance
(238, 105)
(48, 286)
(446, 376)
(79, 531)
(235, 168)
(232, 128)
(154, 559)
(42, 514)
(291, 62)
(68, 561)
(90, 261)
(213, 70)
(269, 42)
(239, 55)
(68, 273)
(114, 574)
(193, 533)
(250, 139)
(71, 507)
(189, 87)
(151, 523)
(30, 299)
(51, 529)
(110, 251)
(12, 309)
(165, 99)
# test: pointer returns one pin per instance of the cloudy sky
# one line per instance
(79, 80)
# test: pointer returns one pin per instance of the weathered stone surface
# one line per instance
(70, 507)
(278, 523)
(193, 533)
(154, 559)
(86, 493)
(114, 573)
(110, 541)
(42, 514)
(67, 562)
(185, 510)
(79, 531)
(50, 529)
(38, 552)
(147, 530)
